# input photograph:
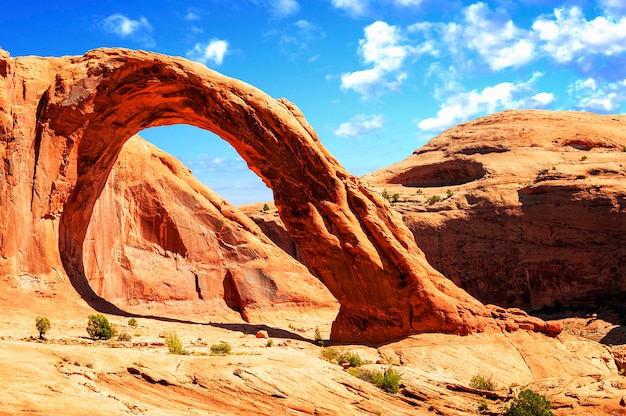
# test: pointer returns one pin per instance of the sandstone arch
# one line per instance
(357, 246)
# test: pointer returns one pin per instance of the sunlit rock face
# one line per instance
(537, 214)
(64, 122)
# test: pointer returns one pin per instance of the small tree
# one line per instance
(482, 383)
(266, 207)
(174, 344)
(98, 327)
(529, 403)
(43, 326)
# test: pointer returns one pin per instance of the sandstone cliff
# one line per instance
(64, 121)
(536, 213)
(157, 235)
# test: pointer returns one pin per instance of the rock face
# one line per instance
(537, 210)
(157, 235)
(64, 121)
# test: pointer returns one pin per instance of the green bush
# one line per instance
(98, 327)
(132, 322)
(174, 344)
(331, 354)
(529, 403)
(318, 337)
(124, 337)
(483, 405)
(220, 349)
(388, 380)
(43, 325)
(395, 198)
(434, 199)
(482, 383)
(266, 207)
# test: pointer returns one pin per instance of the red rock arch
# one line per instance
(357, 246)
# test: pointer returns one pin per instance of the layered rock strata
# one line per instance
(64, 121)
(521, 208)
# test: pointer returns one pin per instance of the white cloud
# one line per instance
(617, 7)
(464, 106)
(592, 95)
(385, 50)
(360, 125)
(138, 30)
(211, 53)
(191, 15)
(352, 7)
(408, 3)
(493, 36)
(283, 8)
(567, 35)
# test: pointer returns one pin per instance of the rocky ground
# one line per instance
(69, 372)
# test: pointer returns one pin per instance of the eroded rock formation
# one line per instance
(63, 122)
(537, 214)
(157, 235)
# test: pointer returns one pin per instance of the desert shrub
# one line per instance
(386, 195)
(529, 403)
(395, 198)
(352, 358)
(132, 322)
(482, 383)
(98, 327)
(433, 199)
(174, 344)
(331, 354)
(483, 405)
(449, 194)
(43, 325)
(124, 337)
(266, 207)
(220, 349)
(388, 380)
(318, 337)
(270, 343)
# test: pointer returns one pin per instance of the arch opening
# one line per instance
(359, 249)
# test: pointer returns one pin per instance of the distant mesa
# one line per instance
(543, 224)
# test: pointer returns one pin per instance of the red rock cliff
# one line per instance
(63, 124)
(538, 207)
(158, 235)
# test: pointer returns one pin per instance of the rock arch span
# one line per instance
(356, 245)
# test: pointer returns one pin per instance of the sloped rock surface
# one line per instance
(64, 122)
(157, 235)
(536, 209)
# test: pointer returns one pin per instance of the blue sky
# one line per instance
(376, 78)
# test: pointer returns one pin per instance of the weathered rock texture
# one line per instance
(538, 207)
(158, 235)
(63, 122)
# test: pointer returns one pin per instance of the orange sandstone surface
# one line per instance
(64, 122)
(81, 229)
(532, 208)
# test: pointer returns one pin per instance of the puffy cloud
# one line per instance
(138, 30)
(567, 35)
(408, 3)
(617, 7)
(360, 125)
(283, 8)
(352, 7)
(211, 53)
(383, 48)
(464, 106)
(492, 35)
(593, 95)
